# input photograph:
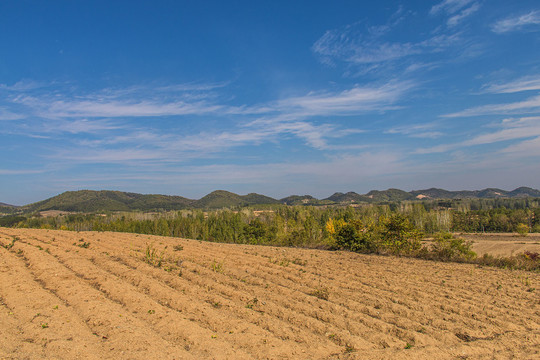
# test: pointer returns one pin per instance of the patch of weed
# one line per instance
(321, 293)
(152, 256)
(217, 266)
(251, 303)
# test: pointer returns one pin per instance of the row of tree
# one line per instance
(292, 225)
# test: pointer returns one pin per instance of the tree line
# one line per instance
(299, 225)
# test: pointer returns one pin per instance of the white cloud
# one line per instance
(79, 126)
(108, 156)
(523, 84)
(456, 19)
(355, 45)
(525, 148)
(8, 115)
(529, 105)
(119, 104)
(530, 20)
(362, 45)
(510, 129)
(416, 131)
(359, 99)
(449, 6)
(20, 86)
(109, 130)
(109, 109)
(20, 172)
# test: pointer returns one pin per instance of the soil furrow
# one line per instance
(194, 299)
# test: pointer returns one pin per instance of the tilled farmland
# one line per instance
(84, 295)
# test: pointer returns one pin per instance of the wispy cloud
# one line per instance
(106, 127)
(449, 6)
(358, 99)
(97, 108)
(356, 44)
(529, 21)
(123, 103)
(80, 126)
(359, 44)
(107, 156)
(8, 115)
(20, 172)
(456, 19)
(512, 129)
(523, 84)
(416, 131)
(457, 10)
(509, 129)
(23, 85)
(524, 149)
(527, 106)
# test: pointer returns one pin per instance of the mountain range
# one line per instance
(105, 200)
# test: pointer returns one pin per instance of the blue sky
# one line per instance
(275, 97)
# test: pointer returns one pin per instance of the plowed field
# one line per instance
(86, 295)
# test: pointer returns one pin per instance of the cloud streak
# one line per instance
(529, 105)
(510, 129)
(529, 21)
(526, 83)
(359, 99)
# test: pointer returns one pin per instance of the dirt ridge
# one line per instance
(93, 294)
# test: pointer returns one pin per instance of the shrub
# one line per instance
(400, 236)
(356, 236)
(527, 261)
(522, 229)
(447, 247)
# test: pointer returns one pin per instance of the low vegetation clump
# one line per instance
(522, 229)
(527, 261)
(321, 293)
(447, 247)
(153, 257)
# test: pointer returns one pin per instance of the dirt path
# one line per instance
(71, 295)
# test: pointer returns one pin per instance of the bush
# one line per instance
(355, 236)
(393, 235)
(400, 236)
(447, 247)
(522, 229)
(527, 261)
(11, 221)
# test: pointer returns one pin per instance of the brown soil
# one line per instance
(61, 298)
(503, 244)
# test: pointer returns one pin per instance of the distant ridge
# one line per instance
(7, 209)
(489, 193)
(222, 199)
(388, 195)
(106, 200)
(301, 200)
(348, 197)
